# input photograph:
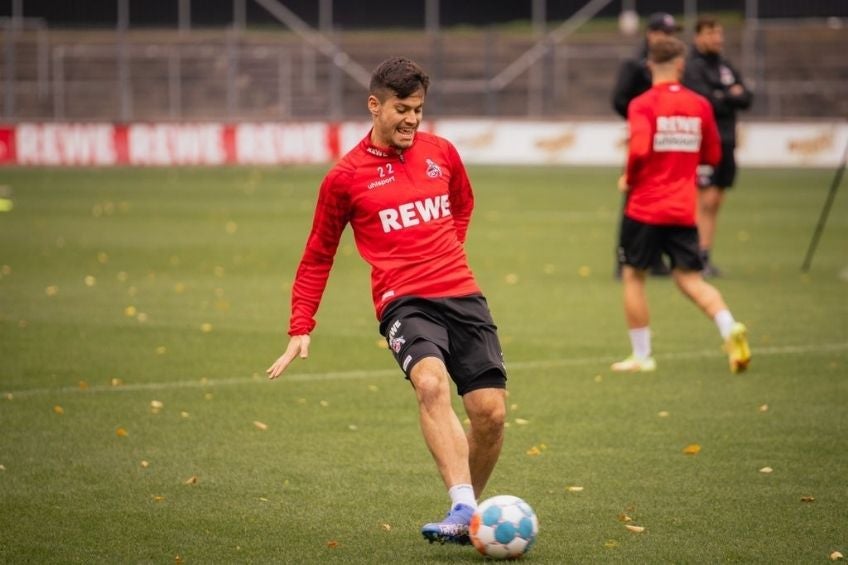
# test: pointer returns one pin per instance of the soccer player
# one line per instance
(407, 197)
(708, 73)
(672, 130)
(634, 78)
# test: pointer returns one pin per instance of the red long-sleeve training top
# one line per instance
(672, 131)
(409, 210)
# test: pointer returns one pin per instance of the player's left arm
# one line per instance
(710, 138)
(460, 193)
(738, 93)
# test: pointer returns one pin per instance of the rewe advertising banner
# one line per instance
(502, 142)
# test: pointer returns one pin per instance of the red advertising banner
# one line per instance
(159, 144)
(7, 145)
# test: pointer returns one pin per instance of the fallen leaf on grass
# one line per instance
(663, 414)
(260, 425)
(522, 421)
(766, 470)
(387, 527)
(624, 518)
(610, 543)
(534, 451)
(145, 464)
(121, 432)
(2, 467)
(764, 408)
(192, 480)
(836, 556)
(332, 544)
(635, 529)
(574, 489)
(692, 449)
(58, 410)
(808, 499)
(178, 560)
(158, 498)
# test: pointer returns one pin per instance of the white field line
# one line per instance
(380, 373)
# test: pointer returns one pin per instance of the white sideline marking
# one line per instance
(362, 374)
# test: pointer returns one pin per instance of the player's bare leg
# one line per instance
(486, 409)
(703, 294)
(710, 301)
(443, 432)
(638, 317)
(635, 300)
(445, 438)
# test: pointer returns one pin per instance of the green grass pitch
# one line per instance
(123, 287)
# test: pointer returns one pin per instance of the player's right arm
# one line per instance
(332, 213)
(298, 347)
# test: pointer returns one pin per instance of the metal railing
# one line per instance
(302, 72)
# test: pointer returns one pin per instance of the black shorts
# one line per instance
(459, 331)
(641, 245)
(723, 175)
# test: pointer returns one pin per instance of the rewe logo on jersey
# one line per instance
(414, 213)
(678, 133)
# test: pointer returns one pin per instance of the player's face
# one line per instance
(396, 120)
(711, 39)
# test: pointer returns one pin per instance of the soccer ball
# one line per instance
(503, 527)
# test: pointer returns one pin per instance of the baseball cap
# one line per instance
(662, 21)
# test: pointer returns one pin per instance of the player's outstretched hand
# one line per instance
(298, 346)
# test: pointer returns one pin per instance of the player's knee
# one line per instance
(487, 412)
(431, 381)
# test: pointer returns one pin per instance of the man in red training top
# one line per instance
(407, 197)
(672, 131)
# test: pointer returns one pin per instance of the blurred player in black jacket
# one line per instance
(634, 78)
(708, 73)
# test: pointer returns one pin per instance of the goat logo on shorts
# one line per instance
(396, 343)
(433, 170)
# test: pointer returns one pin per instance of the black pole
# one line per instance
(825, 211)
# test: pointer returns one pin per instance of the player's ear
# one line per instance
(374, 105)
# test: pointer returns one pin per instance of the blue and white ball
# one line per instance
(503, 527)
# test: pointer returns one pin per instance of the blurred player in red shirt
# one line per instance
(672, 131)
(407, 197)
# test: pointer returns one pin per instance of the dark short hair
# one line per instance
(666, 49)
(399, 75)
(705, 22)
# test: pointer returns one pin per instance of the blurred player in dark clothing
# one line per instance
(634, 77)
(711, 75)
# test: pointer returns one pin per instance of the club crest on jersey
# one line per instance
(433, 170)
